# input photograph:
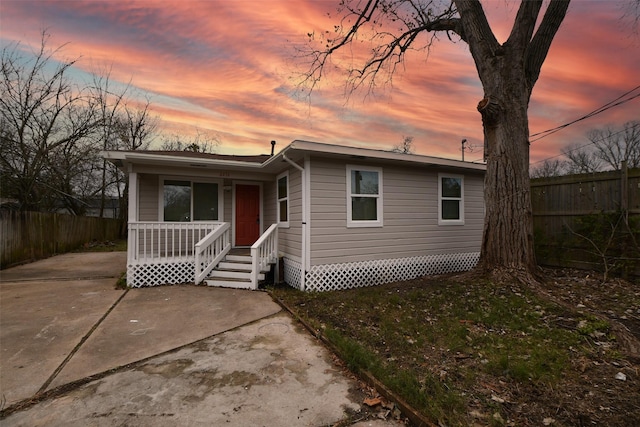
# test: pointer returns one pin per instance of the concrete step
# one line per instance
(239, 258)
(226, 265)
(229, 283)
(234, 274)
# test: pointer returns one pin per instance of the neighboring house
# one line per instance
(337, 217)
(92, 205)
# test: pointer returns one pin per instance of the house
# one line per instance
(336, 217)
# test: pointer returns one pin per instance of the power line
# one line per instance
(618, 101)
(581, 146)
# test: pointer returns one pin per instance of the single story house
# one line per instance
(336, 217)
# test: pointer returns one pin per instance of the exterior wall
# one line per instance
(290, 239)
(410, 213)
(148, 193)
(410, 243)
(269, 202)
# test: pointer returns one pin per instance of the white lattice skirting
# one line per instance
(331, 277)
(139, 275)
(293, 273)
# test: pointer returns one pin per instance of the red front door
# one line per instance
(247, 214)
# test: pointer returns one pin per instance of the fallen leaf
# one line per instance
(372, 401)
(497, 399)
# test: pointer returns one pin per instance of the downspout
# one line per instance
(304, 255)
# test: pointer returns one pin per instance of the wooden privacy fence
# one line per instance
(33, 235)
(589, 221)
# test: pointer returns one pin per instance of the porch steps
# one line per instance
(233, 272)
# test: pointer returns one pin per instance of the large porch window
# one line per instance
(186, 201)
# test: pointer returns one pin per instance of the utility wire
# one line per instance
(622, 99)
(604, 138)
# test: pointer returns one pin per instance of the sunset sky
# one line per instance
(230, 67)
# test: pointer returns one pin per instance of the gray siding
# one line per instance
(290, 239)
(269, 201)
(410, 212)
(148, 193)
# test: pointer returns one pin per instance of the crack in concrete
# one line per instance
(77, 347)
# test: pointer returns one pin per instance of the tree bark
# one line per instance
(508, 73)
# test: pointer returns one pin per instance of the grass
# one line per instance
(451, 348)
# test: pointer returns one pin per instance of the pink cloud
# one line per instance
(229, 66)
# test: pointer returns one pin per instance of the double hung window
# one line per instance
(364, 196)
(283, 199)
(450, 199)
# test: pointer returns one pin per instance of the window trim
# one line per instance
(379, 222)
(192, 180)
(283, 224)
(459, 221)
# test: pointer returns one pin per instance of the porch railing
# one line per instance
(157, 242)
(211, 250)
(264, 252)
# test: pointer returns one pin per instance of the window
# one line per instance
(364, 197)
(283, 199)
(190, 201)
(450, 199)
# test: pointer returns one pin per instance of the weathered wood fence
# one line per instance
(589, 221)
(33, 235)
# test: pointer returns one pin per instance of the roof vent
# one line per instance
(273, 147)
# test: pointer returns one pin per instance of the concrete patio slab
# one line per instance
(151, 321)
(41, 323)
(268, 373)
(69, 266)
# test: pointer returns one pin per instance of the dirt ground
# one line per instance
(606, 390)
(601, 385)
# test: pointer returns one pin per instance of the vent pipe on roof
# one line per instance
(273, 147)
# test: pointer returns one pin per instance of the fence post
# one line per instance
(624, 191)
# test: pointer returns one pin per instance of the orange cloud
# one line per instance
(229, 67)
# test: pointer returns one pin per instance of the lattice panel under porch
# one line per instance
(330, 277)
(292, 273)
(140, 275)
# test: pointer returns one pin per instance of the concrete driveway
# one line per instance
(76, 351)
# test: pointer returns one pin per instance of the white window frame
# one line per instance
(283, 224)
(459, 221)
(378, 222)
(192, 180)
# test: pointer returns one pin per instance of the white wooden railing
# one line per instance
(159, 242)
(264, 252)
(211, 250)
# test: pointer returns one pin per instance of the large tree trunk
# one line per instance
(507, 244)
(508, 73)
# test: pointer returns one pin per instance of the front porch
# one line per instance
(161, 253)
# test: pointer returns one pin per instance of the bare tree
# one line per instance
(508, 73)
(614, 146)
(607, 149)
(406, 147)
(549, 168)
(201, 142)
(44, 117)
(580, 159)
(110, 102)
(136, 127)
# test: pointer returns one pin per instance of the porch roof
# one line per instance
(295, 151)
